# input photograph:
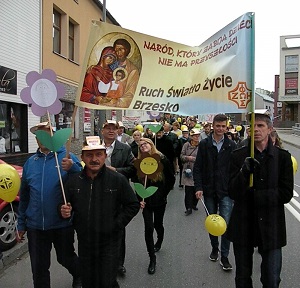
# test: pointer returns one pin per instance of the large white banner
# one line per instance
(124, 69)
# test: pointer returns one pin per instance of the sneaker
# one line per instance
(214, 255)
(121, 270)
(225, 264)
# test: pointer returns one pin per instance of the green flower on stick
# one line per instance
(55, 142)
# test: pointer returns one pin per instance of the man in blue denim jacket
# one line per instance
(40, 195)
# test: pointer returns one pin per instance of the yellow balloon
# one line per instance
(9, 182)
(238, 128)
(139, 127)
(215, 225)
(295, 164)
(183, 127)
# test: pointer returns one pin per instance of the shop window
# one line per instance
(64, 118)
(13, 131)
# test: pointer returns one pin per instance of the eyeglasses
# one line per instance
(143, 144)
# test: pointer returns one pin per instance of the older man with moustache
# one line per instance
(102, 203)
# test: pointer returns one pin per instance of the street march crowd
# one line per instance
(118, 175)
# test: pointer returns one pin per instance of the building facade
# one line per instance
(39, 35)
(288, 105)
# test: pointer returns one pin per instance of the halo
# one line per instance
(96, 52)
(118, 69)
(129, 39)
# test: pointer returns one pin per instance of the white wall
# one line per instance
(20, 47)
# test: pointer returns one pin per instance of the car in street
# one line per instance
(8, 217)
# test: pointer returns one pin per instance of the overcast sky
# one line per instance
(191, 22)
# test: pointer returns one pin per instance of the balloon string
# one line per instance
(14, 217)
(204, 206)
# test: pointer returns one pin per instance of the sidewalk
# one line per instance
(287, 136)
(19, 250)
(13, 254)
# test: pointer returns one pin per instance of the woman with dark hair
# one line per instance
(98, 77)
(154, 206)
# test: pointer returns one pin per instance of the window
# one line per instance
(56, 32)
(71, 41)
(13, 131)
(64, 118)
(291, 63)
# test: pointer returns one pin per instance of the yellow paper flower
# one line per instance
(149, 165)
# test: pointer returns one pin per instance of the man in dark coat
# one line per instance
(101, 202)
(174, 139)
(258, 218)
(119, 158)
(211, 176)
(165, 146)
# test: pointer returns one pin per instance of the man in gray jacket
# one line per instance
(119, 158)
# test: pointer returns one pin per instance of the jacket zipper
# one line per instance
(42, 192)
(90, 200)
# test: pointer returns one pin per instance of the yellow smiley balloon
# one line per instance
(295, 164)
(9, 182)
(215, 225)
(148, 165)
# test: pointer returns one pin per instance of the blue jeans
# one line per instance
(224, 206)
(270, 266)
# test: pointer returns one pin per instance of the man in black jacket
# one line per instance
(211, 176)
(258, 218)
(102, 203)
(165, 145)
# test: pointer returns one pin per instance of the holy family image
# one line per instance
(112, 72)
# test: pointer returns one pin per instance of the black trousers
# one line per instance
(153, 219)
(180, 170)
(190, 199)
(40, 245)
(99, 261)
(122, 249)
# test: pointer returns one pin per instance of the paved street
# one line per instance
(182, 261)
